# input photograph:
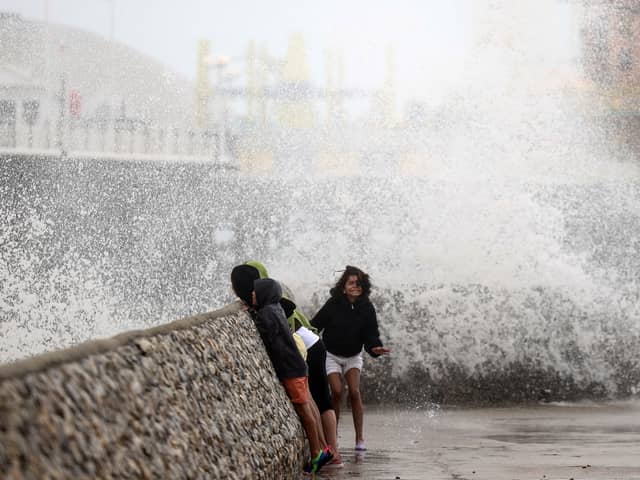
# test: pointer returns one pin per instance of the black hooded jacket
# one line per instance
(347, 326)
(274, 330)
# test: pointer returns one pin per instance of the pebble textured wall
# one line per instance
(194, 399)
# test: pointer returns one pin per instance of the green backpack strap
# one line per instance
(298, 319)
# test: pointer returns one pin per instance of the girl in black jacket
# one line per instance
(348, 323)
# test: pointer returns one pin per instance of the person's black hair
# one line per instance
(363, 281)
(242, 278)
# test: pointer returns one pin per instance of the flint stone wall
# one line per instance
(196, 398)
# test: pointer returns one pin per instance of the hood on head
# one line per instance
(268, 291)
(242, 278)
(259, 267)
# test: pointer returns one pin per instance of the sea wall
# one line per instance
(196, 398)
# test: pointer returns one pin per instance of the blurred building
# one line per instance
(57, 82)
(63, 89)
(286, 132)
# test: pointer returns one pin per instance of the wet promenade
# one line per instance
(546, 442)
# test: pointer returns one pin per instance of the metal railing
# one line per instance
(120, 136)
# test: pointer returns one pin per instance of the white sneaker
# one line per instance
(360, 446)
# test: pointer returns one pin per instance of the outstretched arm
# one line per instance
(380, 350)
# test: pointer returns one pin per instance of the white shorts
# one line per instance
(342, 365)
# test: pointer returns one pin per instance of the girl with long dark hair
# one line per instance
(348, 323)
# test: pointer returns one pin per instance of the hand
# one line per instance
(380, 350)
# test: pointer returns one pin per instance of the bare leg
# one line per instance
(305, 412)
(319, 424)
(357, 410)
(335, 383)
(330, 426)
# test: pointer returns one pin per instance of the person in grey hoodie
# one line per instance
(242, 278)
(290, 367)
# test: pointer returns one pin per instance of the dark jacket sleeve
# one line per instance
(267, 333)
(279, 343)
(321, 319)
(371, 335)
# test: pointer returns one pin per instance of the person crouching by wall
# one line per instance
(316, 359)
(287, 362)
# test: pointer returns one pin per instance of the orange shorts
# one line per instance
(297, 389)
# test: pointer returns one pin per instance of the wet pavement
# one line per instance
(546, 442)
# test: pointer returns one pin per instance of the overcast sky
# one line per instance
(431, 38)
